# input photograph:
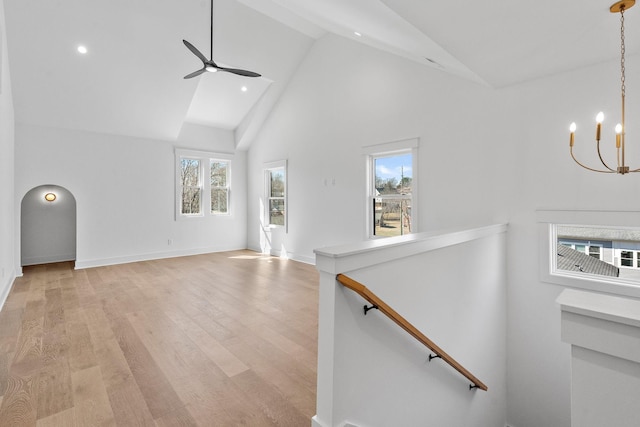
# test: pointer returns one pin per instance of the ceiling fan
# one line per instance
(209, 64)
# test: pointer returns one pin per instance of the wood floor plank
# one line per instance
(80, 354)
(10, 319)
(218, 354)
(219, 339)
(4, 372)
(61, 419)
(277, 408)
(55, 393)
(157, 391)
(177, 418)
(127, 402)
(91, 401)
(54, 339)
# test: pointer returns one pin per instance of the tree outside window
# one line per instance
(219, 187)
(277, 208)
(191, 186)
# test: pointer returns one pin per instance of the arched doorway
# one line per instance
(48, 225)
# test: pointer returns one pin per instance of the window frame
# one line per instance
(547, 239)
(390, 149)
(268, 168)
(226, 187)
(198, 186)
(205, 158)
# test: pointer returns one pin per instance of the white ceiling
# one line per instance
(131, 81)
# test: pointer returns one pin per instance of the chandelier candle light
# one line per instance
(622, 169)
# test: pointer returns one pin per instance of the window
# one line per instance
(191, 185)
(198, 196)
(593, 250)
(391, 188)
(219, 186)
(276, 194)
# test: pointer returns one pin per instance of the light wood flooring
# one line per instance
(226, 339)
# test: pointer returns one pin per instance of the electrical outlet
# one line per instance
(170, 242)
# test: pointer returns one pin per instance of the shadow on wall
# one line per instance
(48, 225)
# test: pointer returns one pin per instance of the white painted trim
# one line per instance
(606, 307)
(205, 201)
(81, 264)
(266, 167)
(290, 255)
(546, 240)
(6, 289)
(390, 148)
(339, 259)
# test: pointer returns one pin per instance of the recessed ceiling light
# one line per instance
(243, 88)
(82, 49)
(357, 34)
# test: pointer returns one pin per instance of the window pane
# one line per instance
(276, 211)
(594, 251)
(626, 258)
(190, 174)
(219, 173)
(191, 192)
(219, 198)
(392, 217)
(277, 181)
(393, 174)
(191, 200)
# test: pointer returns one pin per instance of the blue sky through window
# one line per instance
(394, 167)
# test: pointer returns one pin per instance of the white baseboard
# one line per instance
(81, 264)
(6, 288)
(316, 423)
(289, 255)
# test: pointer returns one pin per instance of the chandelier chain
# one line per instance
(622, 51)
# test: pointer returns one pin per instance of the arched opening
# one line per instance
(48, 225)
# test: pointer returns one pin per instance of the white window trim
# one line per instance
(547, 239)
(205, 158)
(390, 148)
(279, 164)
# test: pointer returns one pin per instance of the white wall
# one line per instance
(346, 96)
(124, 189)
(547, 178)
(7, 207)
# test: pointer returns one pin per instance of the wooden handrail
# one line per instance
(365, 293)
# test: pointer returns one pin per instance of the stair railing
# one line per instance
(380, 305)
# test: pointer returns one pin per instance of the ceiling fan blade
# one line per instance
(195, 73)
(195, 51)
(239, 72)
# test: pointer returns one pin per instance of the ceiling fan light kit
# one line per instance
(622, 168)
(208, 64)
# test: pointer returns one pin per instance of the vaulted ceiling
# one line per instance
(131, 80)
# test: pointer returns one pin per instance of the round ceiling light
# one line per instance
(50, 197)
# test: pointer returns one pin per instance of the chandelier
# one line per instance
(621, 168)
